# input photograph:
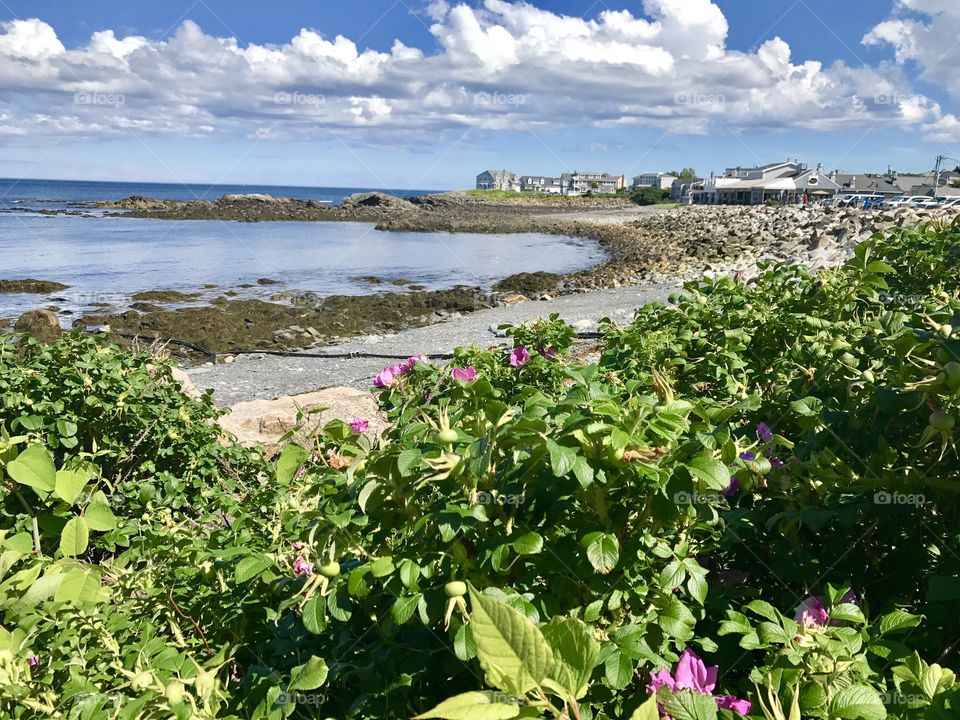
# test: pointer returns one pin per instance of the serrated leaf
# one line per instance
(314, 614)
(574, 653)
(473, 706)
(74, 537)
(408, 460)
(617, 670)
(512, 651)
(603, 551)
(848, 612)
(250, 567)
(80, 585)
(562, 459)
(672, 575)
(688, 705)
(404, 608)
(309, 676)
(583, 471)
(291, 460)
(857, 702)
(528, 544)
(711, 472)
(647, 711)
(34, 468)
(764, 609)
(898, 620)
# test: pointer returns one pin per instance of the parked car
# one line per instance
(952, 203)
(901, 200)
(872, 202)
(927, 203)
(854, 200)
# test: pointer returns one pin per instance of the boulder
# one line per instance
(264, 422)
(31, 286)
(42, 325)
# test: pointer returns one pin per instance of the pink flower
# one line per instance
(691, 674)
(33, 660)
(300, 470)
(467, 374)
(359, 425)
(385, 378)
(519, 356)
(811, 612)
(297, 545)
(549, 353)
(729, 702)
(302, 567)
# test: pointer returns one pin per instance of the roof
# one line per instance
(655, 174)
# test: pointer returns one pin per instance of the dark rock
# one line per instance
(42, 325)
(32, 286)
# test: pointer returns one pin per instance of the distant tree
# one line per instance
(649, 196)
(688, 173)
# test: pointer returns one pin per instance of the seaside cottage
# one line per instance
(581, 183)
(664, 181)
(541, 183)
(506, 180)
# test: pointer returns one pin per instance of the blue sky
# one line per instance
(417, 94)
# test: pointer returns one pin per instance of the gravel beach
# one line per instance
(252, 377)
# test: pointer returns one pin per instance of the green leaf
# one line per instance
(647, 711)
(404, 608)
(574, 653)
(857, 702)
(34, 468)
(848, 612)
(250, 567)
(562, 459)
(309, 676)
(764, 609)
(583, 471)
(672, 575)
(382, 566)
(74, 537)
(676, 620)
(528, 544)
(291, 460)
(80, 585)
(408, 460)
(603, 551)
(618, 670)
(473, 706)
(98, 514)
(898, 620)
(314, 614)
(711, 472)
(69, 484)
(688, 705)
(512, 651)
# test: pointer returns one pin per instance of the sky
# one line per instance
(425, 94)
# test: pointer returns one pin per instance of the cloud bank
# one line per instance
(498, 66)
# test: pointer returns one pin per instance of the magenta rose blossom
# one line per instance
(467, 374)
(385, 378)
(691, 674)
(764, 432)
(519, 356)
(811, 612)
(301, 566)
(359, 425)
(33, 660)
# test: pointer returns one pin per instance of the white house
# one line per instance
(541, 183)
(664, 181)
(580, 183)
(782, 182)
(498, 180)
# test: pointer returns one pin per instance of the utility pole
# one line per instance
(936, 175)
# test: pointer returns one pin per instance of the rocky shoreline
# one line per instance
(643, 246)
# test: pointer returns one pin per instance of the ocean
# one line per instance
(107, 260)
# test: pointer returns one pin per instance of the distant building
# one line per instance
(781, 182)
(664, 181)
(681, 191)
(498, 180)
(892, 183)
(581, 183)
(541, 183)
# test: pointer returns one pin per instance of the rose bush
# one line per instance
(746, 507)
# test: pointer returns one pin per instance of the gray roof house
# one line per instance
(498, 180)
(664, 181)
(580, 183)
(541, 183)
(782, 182)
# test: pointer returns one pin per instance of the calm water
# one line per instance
(106, 260)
